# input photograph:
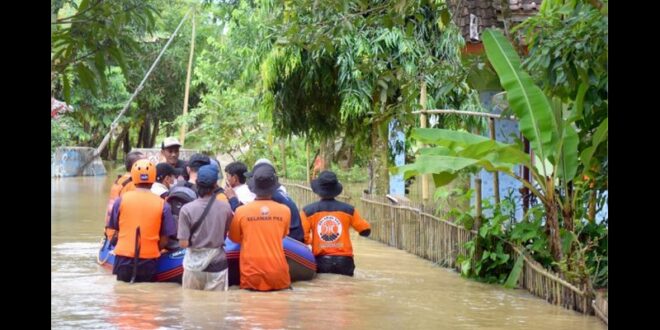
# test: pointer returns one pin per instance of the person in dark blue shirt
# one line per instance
(280, 196)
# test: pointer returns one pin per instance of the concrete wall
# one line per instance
(154, 155)
(66, 161)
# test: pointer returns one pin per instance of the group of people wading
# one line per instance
(146, 217)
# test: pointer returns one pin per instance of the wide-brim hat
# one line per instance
(263, 181)
(327, 185)
(250, 174)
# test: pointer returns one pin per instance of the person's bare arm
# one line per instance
(229, 191)
(162, 243)
(184, 243)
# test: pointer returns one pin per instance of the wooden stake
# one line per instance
(496, 177)
(422, 119)
(477, 223)
(182, 130)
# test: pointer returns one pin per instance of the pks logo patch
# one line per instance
(265, 211)
(329, 228)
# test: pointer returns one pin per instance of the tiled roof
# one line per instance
(488, 13)
(523, 6)
(519, 9)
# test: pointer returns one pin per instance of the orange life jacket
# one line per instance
(328, 221)
(260, 227)
(121, 186)
(143, 209)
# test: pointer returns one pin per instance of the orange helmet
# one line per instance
(143, 171)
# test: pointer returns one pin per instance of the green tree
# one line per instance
(161, 100)
(553, 138)
(381, 52)
(227, 118)
(87, 36)
(92, 115)
(568, 47)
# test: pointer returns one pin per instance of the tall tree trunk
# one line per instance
(379, 147)
(526, 176)
(344, 157)
(370, 173)
(146, 138)
(327, 151)
(350, 157)
(308, 161)
(154, 134)
(104, 154)
(567, 214)
(127, 141)
(140, 135)
(567, 210)
(552, 229)
(118, 141)
(591, 215)
(283, 152)
(380, 152)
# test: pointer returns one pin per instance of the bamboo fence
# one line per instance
(406, 227)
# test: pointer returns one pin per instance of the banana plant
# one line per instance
(553, 139)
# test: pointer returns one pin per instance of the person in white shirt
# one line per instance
(235, 174)
(165, 179)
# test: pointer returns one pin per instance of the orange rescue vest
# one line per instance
(143, 209)
(329, 227)
(121, 185)
(260, 227)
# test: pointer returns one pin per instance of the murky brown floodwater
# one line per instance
(391, 289)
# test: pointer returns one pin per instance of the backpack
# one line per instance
(177, 198)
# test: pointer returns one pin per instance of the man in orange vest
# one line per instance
(328, 221)
(260, 227)
(143, 222)
(121, 185)
(280, 196)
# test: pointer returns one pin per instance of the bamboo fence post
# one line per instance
(403, 226)
(477, 222)
(422, 119)
(496, 178)
(182, 130)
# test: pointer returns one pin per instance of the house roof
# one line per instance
(488, 13)
(519, 9)
(58, 107)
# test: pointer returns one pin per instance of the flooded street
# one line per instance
(391, 289)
